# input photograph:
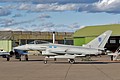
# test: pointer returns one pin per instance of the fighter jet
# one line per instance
(70, 52)
(94, 47)
(5, 54)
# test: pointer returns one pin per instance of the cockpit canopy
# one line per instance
(39, 42)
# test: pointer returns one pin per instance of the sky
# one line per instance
(57, 15)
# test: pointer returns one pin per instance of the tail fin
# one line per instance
(100, 41)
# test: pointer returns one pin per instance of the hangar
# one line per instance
(86, 34)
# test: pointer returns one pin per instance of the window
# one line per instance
(119, 41)
(112, 41)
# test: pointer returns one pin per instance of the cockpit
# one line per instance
(39, 42)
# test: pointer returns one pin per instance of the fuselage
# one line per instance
(58, 49)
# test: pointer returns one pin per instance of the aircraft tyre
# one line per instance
(112, 58)
(71, 61)
(55, 59)
(8, 58)
(26, 57)
(20, 59)
(45, 61)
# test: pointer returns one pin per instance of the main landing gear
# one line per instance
(45, 61)
(8, 57)
(26, 57)
(71, 61)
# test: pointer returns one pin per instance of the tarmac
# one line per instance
(100, 68)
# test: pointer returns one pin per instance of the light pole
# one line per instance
(53, 37)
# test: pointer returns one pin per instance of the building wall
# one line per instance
(21, 38)
(82, 40)
(88, 39)
(79, 41)
(113, 43)
(6, 45)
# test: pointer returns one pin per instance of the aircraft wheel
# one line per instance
(26, 57)
(45, 61)
(20, 59)
(8, 58)
(112, 58)
(55, 59)
(71, 61)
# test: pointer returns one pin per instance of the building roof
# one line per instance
(97, 30)
(10, 35)
(6, 35)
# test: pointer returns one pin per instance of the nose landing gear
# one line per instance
(71, 61)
